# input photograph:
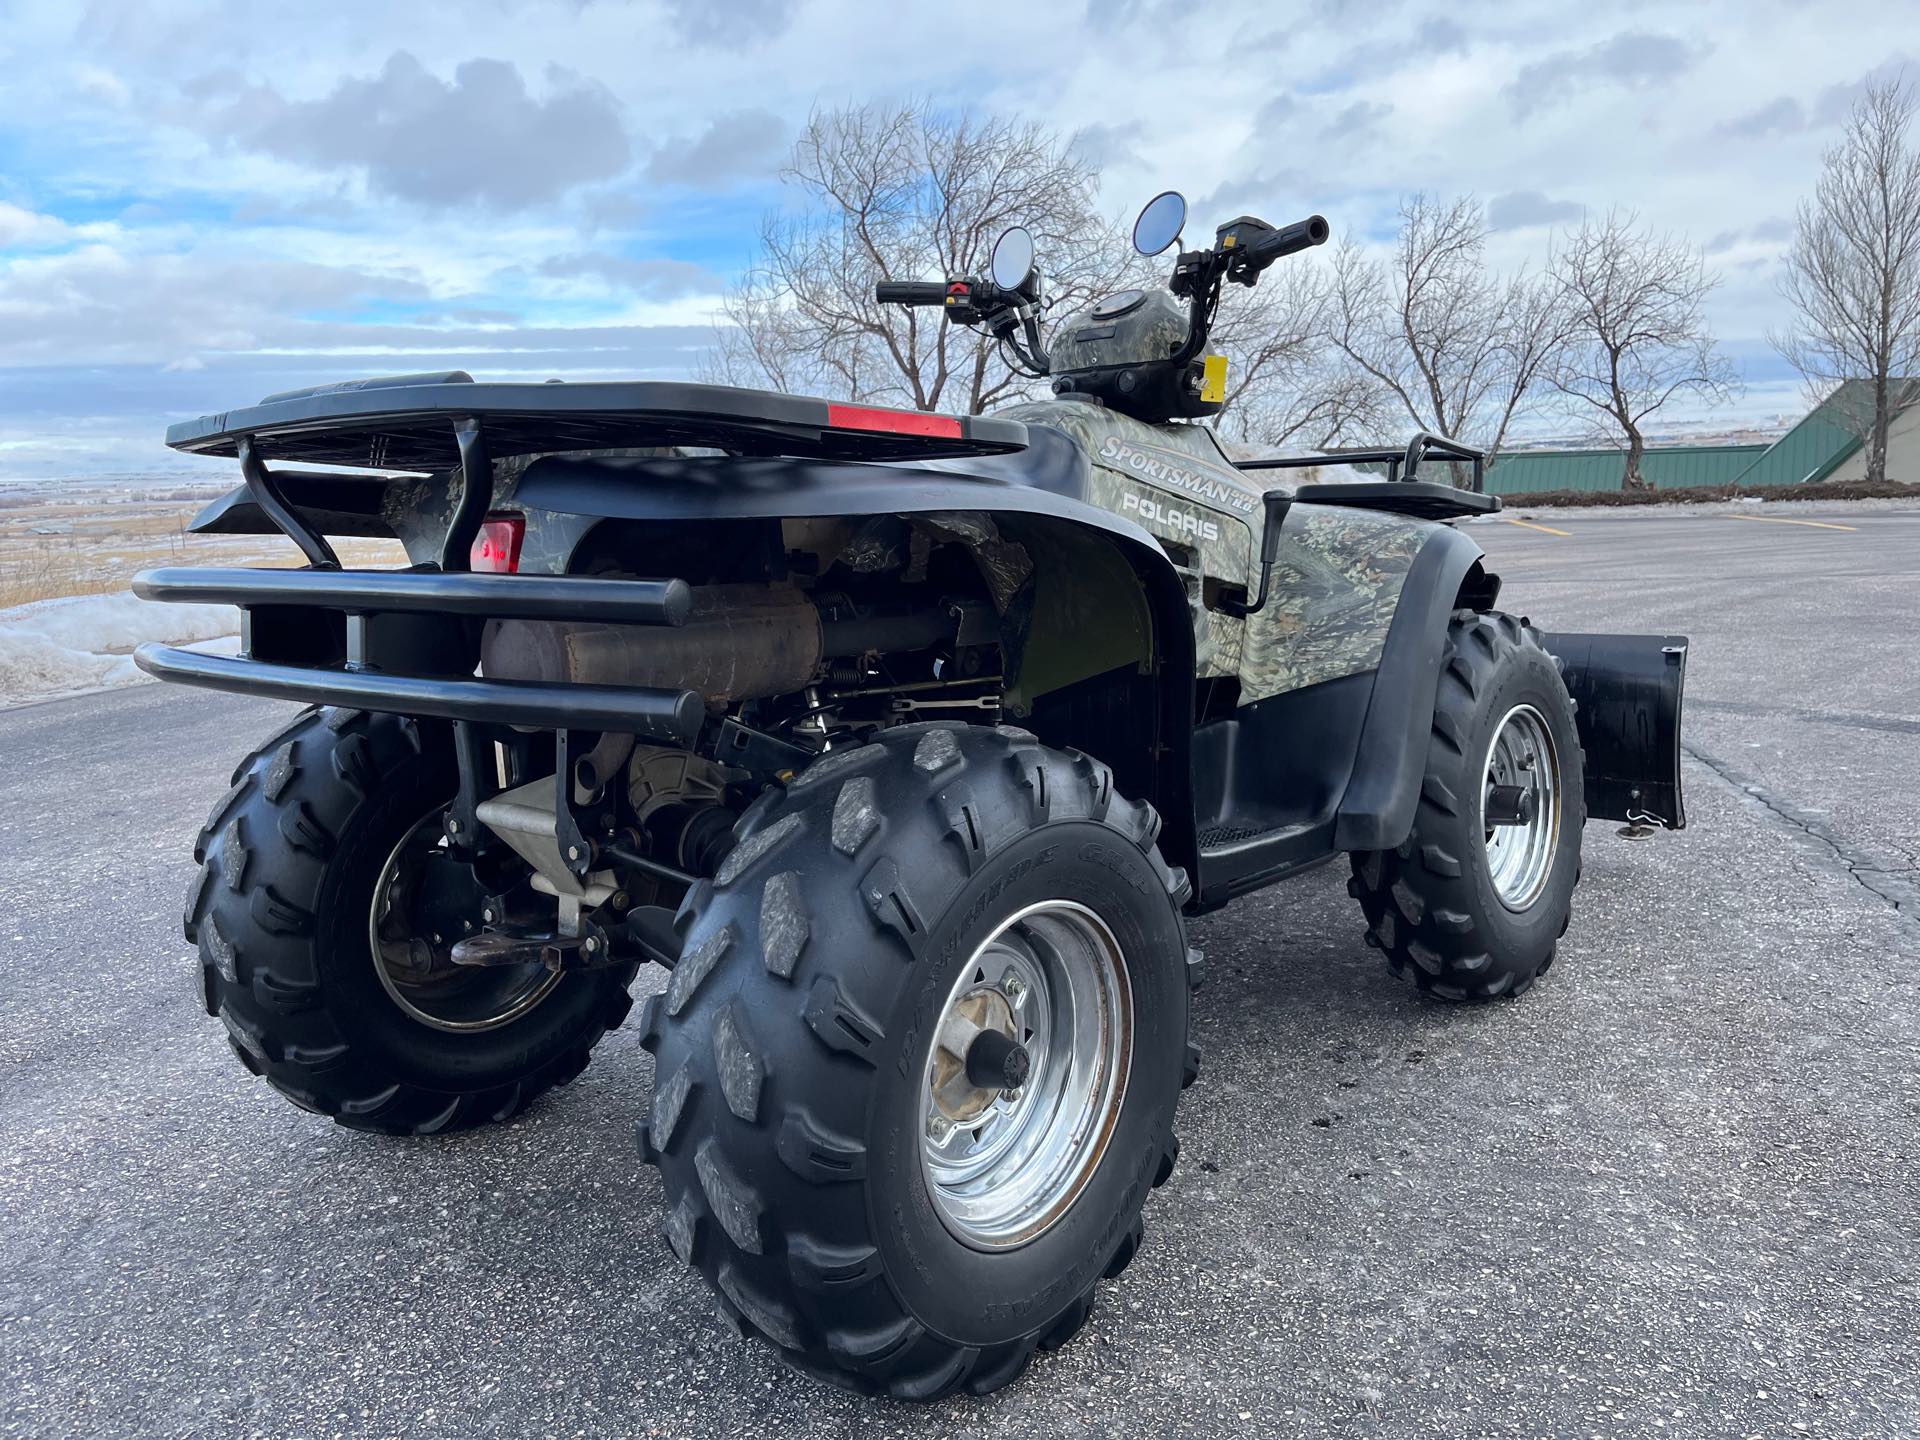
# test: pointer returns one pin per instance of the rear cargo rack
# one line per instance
(409, 422)
(444, 422)
(408, 641)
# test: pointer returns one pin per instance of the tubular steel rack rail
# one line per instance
(1408, 496)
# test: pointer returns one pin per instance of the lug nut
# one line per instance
(938, 1128)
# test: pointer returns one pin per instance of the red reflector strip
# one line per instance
(893, 422)
(496, 549)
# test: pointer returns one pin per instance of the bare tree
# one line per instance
(1639, 338)
(1285, 385)
(910, 193)
(1853, 273)
(1453, 346)
(907, 192)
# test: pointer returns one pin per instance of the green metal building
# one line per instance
(1814, 449)
(1672, 467)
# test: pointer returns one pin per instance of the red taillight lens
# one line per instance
(892, 422)
(496, 549)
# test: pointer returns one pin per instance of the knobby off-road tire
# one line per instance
(280, 909)
(1433, 905)
(791, 1044)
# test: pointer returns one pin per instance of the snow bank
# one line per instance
(85, 642)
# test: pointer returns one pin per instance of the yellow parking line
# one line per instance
(1543, 529)
(1782, 520)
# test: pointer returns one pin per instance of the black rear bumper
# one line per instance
(427, 592)
(408, 642)
(1628, 691)
(657, 714)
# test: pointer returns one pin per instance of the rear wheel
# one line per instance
(917, 1065)
(1472, 904)
(325, 912)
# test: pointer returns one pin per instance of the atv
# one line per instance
(906, 744)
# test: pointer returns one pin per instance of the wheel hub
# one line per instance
(981, 1018)
(1026, 1074)
(1520, 806)
(425, 901)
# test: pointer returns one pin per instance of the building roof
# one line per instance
(1810, 451)
(1819, 444)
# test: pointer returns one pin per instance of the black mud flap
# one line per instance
(1627, 689)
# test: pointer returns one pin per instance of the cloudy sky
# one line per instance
(199, 204)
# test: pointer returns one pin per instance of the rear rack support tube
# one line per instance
(476, 496)
(266, 494)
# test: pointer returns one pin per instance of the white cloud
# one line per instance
(1519, 209)
(330, 207)
(738, 143)
(731, 22)
(22, 229)
(481, 138)
(98, 83)
(1633, 60)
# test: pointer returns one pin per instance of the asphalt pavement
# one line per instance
(1675, 1190)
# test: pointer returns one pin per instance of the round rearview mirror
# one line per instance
(1012, 258)
(1160, 222)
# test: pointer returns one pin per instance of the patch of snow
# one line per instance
(85, 642)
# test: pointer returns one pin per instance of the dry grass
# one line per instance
(90, 542)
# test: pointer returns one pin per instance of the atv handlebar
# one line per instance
(1244, 247)
(910, 292)
(1011, 316)
(1241, 249)
(1291, 239)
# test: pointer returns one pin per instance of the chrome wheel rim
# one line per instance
(1520, 856)
(417, 970)
(1002, 1166)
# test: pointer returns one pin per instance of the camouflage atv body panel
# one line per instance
(1336, 580)
(1132, 328)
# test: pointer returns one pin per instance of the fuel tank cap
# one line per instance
(1121, 302)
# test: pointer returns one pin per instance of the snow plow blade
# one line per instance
(1628, 691)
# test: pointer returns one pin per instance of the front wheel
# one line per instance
(1473, 903)
(916, 1068)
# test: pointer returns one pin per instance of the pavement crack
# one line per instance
(1873, 873)
(1853, 720)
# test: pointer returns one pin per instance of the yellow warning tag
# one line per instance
(1213, 388)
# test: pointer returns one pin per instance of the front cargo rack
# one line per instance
(1402, 492)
